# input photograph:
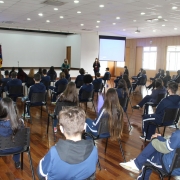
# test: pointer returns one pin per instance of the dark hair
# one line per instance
(98, 74)
(125, 67)
(66, 72)
(107, 69)
(162, 72)
(167, 73)
(51, 70)
(6, 72)
(40, 71)
(13, 74)
(87, 79)
(20, 70)
(122, 85)
(158, 83)
(178, 72)
(13, 69)
(37, 77)
(7, 111)
(173, 86)
(44, 71)
(82, 71)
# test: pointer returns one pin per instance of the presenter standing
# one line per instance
(65, 65)
(96, 66)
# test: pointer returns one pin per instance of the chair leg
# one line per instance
(164, 130)
(53, 130)
(94, 106)
(24, 110)
(106, 145)
(31, 165)
(22, 161)
(86, 107)
(121, 149)
(30, 115)
(130, 127)
(99, 165)
(48, 124)
(41, 111)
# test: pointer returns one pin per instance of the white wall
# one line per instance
(75, 42)
(89, 50)
(32, 49)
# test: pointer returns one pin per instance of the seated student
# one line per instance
(52, 73)
(45, 77)
(21, 75)
(156, 76)
(65, 65)
(12, 70)
(36, 88)
(87, 86)
(4, 81)
(107, 75)
(126, 71)
(122, 90)
(111, 110)
(159, 89)
(79, 78)
(166, 79)
(67, 75)
(161, 76)
(140, 80)
(40, 72)
(139, 74)
(171, 101)
(159, 152)
(126, 78)
(73, 158)
(9, 125)
(98, 79)
(177, 78)
(13, 82)
(30, 80)
(69, 95)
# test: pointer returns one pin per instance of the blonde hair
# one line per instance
(62, 75)
(31, 73)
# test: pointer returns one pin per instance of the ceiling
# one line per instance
(14, 14)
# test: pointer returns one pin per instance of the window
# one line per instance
(120, 64)
(173, 58)
(149, 58)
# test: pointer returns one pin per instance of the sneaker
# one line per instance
(26, 115)
(130, 166)
(17, 165)
(53, 103)
(55, 129)
(143, 138)
(136, 107)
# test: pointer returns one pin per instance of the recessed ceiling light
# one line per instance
(79, 12)
(159, 17)
(55, 9)
(40, 14)
(174, 7)
(97, 26)
(165, 20)
(117, 17)
(175, 28)
(82, 24)
(124, 29)
(76, 1)
(98, 21)
(136, 32)
(61, 17)
(28, 19)
(114, 23)
(163, 25)
(47, 21)
(134, 20)
(1, 1)
(154, 30)
(143, 13)
(156, 19)
(101, 5)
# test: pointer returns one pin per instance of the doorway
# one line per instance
(68, 54)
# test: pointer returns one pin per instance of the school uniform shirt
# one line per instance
(155, 93)
(45, 79)
(62, 81)
(14, 82)
(69, 160)
(85, 87)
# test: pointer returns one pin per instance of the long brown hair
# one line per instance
(115, 112)
(7, 112)
(31, 73)
(70, 93)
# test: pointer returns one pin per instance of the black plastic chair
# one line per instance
(29, 82)
(169, 118)
(175, 164)
(159, 98)
(98, 87)
(61, 89)
(57, 109)
(103, 133)
(21, 139)
(79, 84)
(124, 104)
(47, 84)
(87, 97)
(37, 99)
(52, 78)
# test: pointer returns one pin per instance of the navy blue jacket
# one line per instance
(155, 93)
(14, 82)
(79, 78)
(36, 88)
(62, 81)
(85, 87)
(45, 79)
(98, 81)
(5, 79)
(54, 74)
(106, 75)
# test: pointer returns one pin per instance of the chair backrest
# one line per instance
(38, 97)
(29, 81)
(143, 80)
(46, 83)
(170, 115)
(21, 139)
(52, 77)
(176, 160)
(124, 102)
(87, 95)
(61, 104)
(160, 97)
(97, 87)
(177, 117)
(17, 90)
(61, 88)
(79, 83)
(4, 83)
(103, 126)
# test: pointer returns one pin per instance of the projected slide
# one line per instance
(112, 48)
